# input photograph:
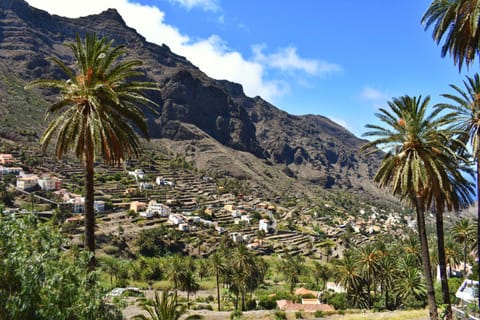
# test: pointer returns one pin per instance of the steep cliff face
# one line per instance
(192, 106)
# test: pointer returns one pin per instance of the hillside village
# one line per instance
(139, 196)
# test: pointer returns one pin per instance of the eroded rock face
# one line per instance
(312, 147)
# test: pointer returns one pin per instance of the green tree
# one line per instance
(368, 259)
(98, 111)
(348, 274)
(463, 232)
(39, 280)
(465, 107)
(218, 268)
(416, 145)
(163, 307)
(292, 269)
(321, 271)
(455, 22)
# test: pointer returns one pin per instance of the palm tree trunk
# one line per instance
(422, 233)
(89, 211)
(478, 212)
(443, 264)
(218, 292)
(465, 259)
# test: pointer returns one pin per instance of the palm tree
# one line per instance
(218, 268)
(456, 23)
(98, 111)
(463, 232)
(176, 271)
(465, 107)
(247, 272)
(348, 274)
(321, 271)
(410, 284)
(189, 283)
(413, 167)
(368, 259)
(163, 307)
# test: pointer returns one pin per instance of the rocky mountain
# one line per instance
(209, 121)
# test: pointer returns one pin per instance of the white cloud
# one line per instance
(207, 5)
(287, 59)
(211, 55)
(371, 94)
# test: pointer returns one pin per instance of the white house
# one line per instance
(246, 218)
(236, 237)
(79, 205)
(266, 225)
(99, 205)
(236, 213)
(27, 181)
(145, 185)
(175, 219)
(183, 227)
(160, 209)
(163, 182)
(137, 173)
(219, 229)
(146, 214)
(48, 183)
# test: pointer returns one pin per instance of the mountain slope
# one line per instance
(210, 121)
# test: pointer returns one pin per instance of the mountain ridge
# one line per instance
(309, 150)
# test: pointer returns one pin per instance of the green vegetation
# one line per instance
(97, 113)
(42, 281)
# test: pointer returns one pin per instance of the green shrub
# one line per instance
(279, 315)
(236, 315)
(318, 314)
(338, 300)
(267, 303)
(298, 315)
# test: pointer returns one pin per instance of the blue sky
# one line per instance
(339, 59)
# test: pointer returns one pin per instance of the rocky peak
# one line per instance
(192, 105)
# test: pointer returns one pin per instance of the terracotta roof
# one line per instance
(302, 291)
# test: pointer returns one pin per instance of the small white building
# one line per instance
(163, 182)
(79, 205)
(99, 206)
(145, 185)
(27, 181)
(138, 174)
(236, 213)
(146, 214)
(246, 218)
(266, 225)
(156, 208)
(236, 237)
(183, 227)
(49, 183)
(175, 219)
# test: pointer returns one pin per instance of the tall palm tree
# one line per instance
(368, 259)
(98, 111)
(463, 232)
(455, 22)
(348, 275)
(218, 268)
(416, 146)
(465, 107)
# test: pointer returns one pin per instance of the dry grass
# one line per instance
(392, 315)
